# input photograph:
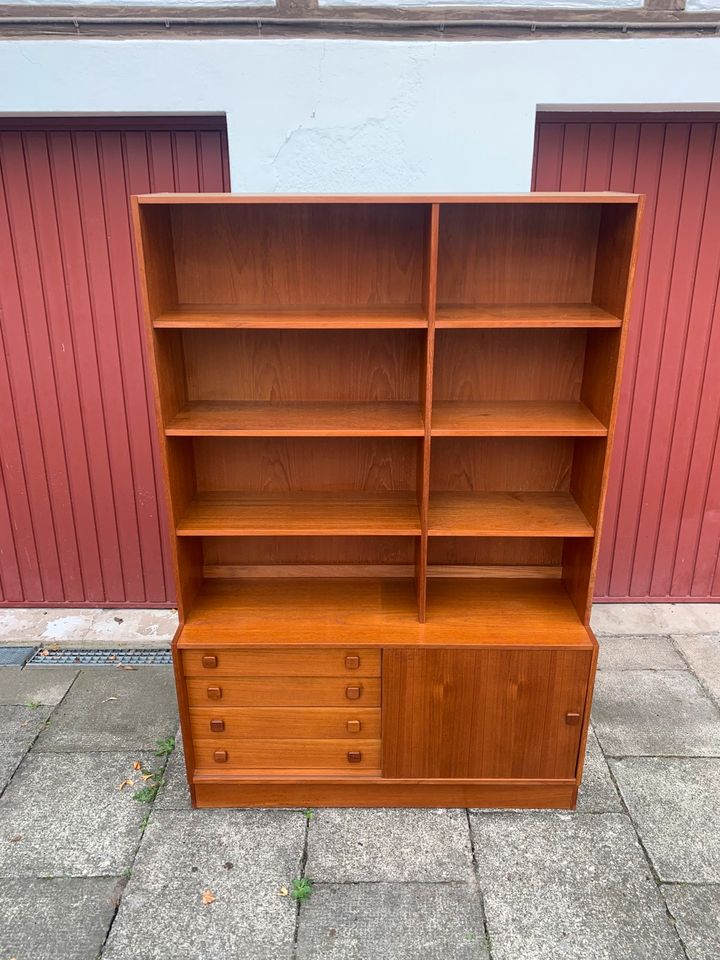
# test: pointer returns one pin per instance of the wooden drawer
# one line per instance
(288, 723)
(346, 756)
(282, 662)
(283, 691)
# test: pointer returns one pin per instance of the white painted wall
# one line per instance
(358, 115)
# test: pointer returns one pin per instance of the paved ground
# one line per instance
(87, 870)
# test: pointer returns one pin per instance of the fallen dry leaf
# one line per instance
(208, 897)
(44, 653)
(283, 891)
(147, 776)
(137, 765)
(126, 783)
(124, 666)
(16, 839)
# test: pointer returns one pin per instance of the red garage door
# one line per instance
(662, 524)
(80, 521)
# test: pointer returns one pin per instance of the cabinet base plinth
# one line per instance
(386, 793)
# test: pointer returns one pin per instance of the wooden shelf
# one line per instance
(301, 514)
(521, 418)
(506, 515)
(300, 419)
(494, 607)
(524, 315)
(283, 318)
(382, 612)
(264, 604)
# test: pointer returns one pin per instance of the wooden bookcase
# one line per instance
(385, 426)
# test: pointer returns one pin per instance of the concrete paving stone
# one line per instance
(571, 887)
(45, 685)
(638, 653)
(702, 652)
(675, 805)
(66, 816)
(132, 628)
(646, 618)
(696, 911)
(392, 921)
(65, 626)
(174, 793)
(20, 625)
(393, 845)
(110, 709)
(597, 793)
(56, 919)
(242, 857)
(19, 726)
(654, 713)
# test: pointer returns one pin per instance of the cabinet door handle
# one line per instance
(352, 663)
(217, 726)
(220, 756)
(209, 662)
(214, 693)
(572, 719)
(353, 693)
(354, 756)
(353, 726)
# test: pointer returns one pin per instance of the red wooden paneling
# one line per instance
(81, 519)
(662, 528)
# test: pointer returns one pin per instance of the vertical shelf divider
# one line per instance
(426, 386)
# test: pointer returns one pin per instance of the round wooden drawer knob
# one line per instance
(209, 662)
(220, 756)
(214, 693)
(354, 756)
(217, 726)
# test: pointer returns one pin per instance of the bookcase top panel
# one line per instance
(539, 197)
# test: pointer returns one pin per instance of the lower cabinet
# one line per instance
(400, 714)
(483, 713)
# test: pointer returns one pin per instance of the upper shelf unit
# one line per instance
(385, 391)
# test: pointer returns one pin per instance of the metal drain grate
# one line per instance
(15, 656)
(107, 657)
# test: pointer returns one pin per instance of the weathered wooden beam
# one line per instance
(304, 18)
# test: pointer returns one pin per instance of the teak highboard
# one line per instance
(386, 424)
